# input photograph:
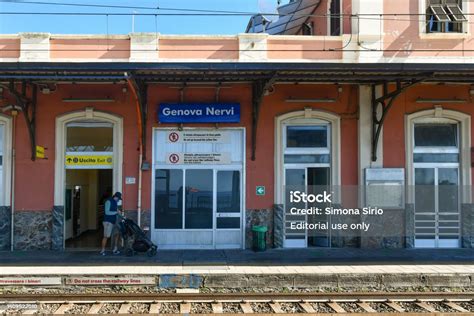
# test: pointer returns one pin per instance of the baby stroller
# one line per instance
(135, 239)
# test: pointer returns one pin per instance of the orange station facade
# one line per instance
(81, 119)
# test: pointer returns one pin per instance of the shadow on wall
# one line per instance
(403, 43)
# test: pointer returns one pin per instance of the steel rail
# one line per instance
(268, 297)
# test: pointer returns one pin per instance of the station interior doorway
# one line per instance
(88, 182)
(86, 193)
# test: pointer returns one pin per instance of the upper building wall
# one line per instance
(407, 35)
(370, 31)
(151, 47)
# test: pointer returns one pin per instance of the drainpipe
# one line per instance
(140, 155)
(14, 114)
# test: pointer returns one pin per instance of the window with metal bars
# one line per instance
(444, 16)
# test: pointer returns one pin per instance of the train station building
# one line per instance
(202, 134)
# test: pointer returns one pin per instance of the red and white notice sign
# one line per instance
(111, 281)
(30, 281)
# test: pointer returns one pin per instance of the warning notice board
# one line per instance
(30, 281)
(88, 161)
(198, 137)
(111, 281)
(198, 158)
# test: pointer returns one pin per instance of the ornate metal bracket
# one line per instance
(259, 88)
(382, 105)
(26, 99)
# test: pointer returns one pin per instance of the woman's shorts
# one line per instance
(108, 229)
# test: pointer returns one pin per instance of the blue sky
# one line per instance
(61, 24)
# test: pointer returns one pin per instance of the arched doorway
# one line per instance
(307, 156)
(88, 165)
(438, 175)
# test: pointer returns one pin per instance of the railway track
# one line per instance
(243, 303)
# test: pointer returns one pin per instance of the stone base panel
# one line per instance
(5, 228)
(44, 230)
(32, 230)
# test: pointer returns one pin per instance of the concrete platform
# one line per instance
(245, 258)
(325, 268)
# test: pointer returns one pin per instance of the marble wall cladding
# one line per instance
(467, 225)
(145, 219)
(386, 230)
(5, 227)
(409, 225)
(57, 238)
(258, 217)
(343, 239)
(32, 230)
(279, 222)
(131, 214)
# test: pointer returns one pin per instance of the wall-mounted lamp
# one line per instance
(73, 100)
(318, 100)
(48, 88)
(455, 100)
(12, 108)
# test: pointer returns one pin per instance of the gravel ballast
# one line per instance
(169, 308)
(201, 308)
(109, 308)
(78, 309)
(232, 308)
(352, 307)
(261, 308)
(322, 308)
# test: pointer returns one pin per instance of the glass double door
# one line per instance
(198, 208)
(437, 216)
(312, 180)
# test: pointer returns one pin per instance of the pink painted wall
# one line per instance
(199, 48)
(402, 33)
(319, 48)
(90, 48)
(9, 48)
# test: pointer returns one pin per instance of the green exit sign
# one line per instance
(260, 190)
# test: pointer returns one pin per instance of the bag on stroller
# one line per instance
(135, 239)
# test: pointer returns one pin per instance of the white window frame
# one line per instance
(307, 150)
(466, 30)
(440, 115)
(307, 117)
(5, 193)
(421, 243)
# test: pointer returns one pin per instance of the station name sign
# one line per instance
(199, 113)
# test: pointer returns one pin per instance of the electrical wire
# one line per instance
(378, 17)
(207, 11)
(79, 4)
(131, 7)
(370, 17)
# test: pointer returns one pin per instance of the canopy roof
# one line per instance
(365, 73)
